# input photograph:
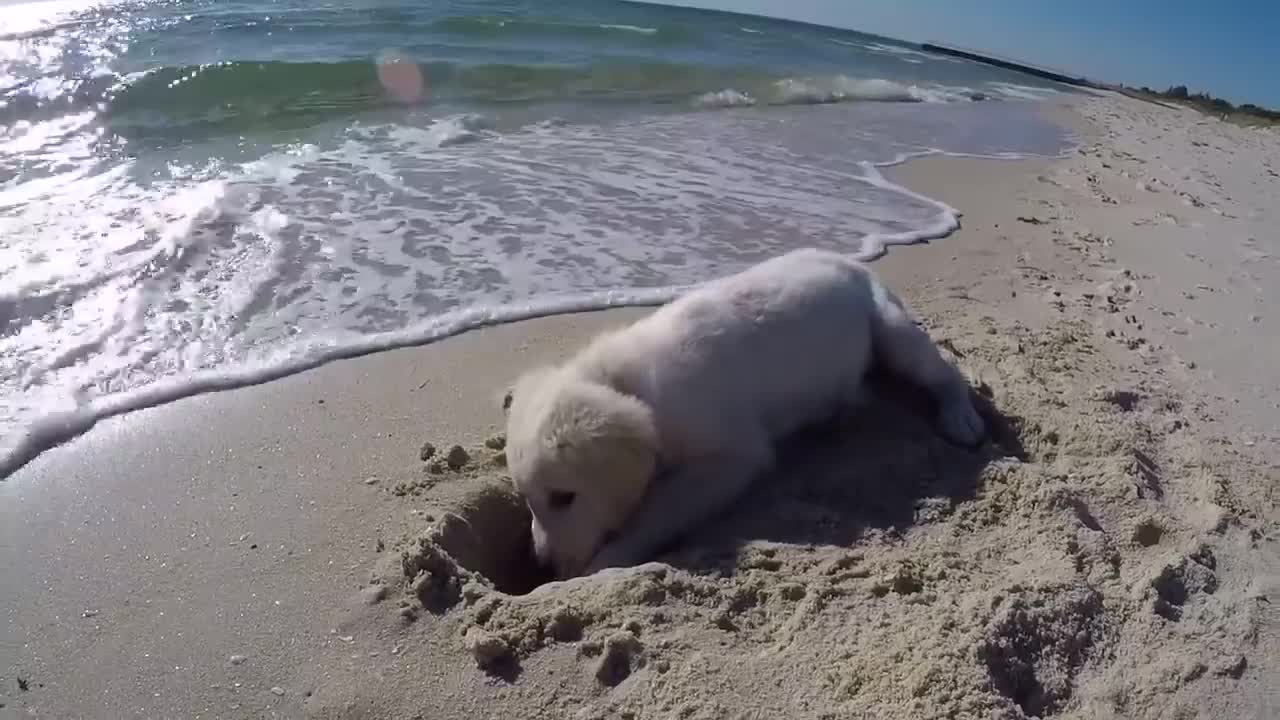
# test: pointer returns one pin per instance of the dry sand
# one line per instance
(288, 551)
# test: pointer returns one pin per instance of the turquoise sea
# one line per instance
(200, 194)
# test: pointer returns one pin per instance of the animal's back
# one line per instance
(783, 341)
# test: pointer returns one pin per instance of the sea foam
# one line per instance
(396, 235)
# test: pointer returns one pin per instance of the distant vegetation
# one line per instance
(1208, 104)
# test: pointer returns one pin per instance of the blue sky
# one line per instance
(1231, 48)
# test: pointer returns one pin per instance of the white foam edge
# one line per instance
(630, 28)
(54, 429)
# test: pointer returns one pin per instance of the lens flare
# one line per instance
(401, 77)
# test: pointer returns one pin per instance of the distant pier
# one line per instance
(1008, 64)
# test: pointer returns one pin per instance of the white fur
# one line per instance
(657, 426)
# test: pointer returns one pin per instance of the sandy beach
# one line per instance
(292, 550)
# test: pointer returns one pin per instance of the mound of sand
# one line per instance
(1070, 566)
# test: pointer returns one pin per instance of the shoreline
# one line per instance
(220, 547)
(58, 428)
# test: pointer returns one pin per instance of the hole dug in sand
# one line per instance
(485, 541)
(477, 560)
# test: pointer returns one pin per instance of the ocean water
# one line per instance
(201, 194)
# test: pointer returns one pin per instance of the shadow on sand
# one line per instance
(881, 468)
